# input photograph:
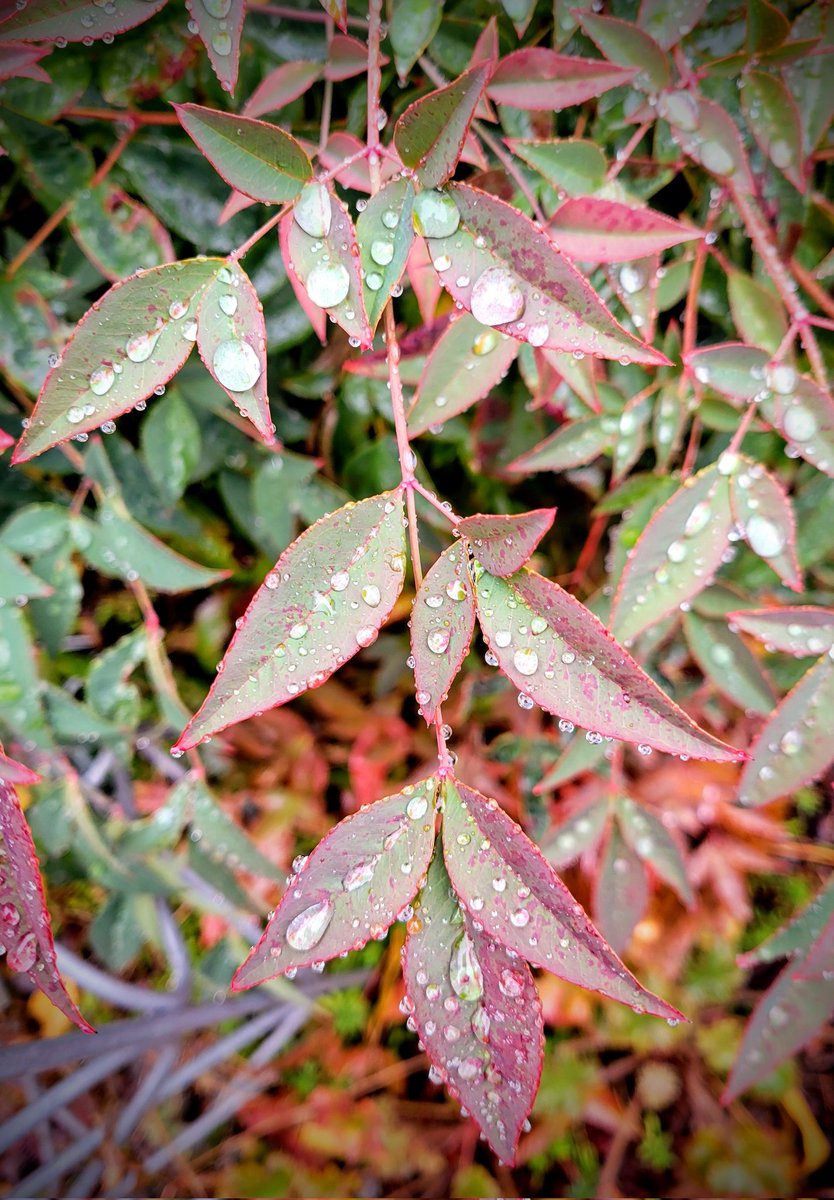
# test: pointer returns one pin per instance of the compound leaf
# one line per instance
(442, 622)
(430, 134)
(503, 544)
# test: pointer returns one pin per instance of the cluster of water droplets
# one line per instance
(17, 939)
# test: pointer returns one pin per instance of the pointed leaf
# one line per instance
(120, 549)
(500, 877)
(505, 270)
(16, 580)
(327, 596)
(800, 631)
(579, 757)
(352, 887)
(707, 133)
(16, 773)
(795, 938)
(669, 21)
(315, 315)
(337, 9)
(25, 929)
(732, 369)
(477, 1012)
(621, 892)
(430, 134)
(766, 26)
(465, 364)
(346, 57)
(385, 235)
(231, 339)
(258, 159)
(117, 233)
(773, 118)
(571, 165)
(807, 78)
(758, 312)
(572, 445)
(630, 438)
(505, 543)
(804, 415)
(608, 231)
(556, 651)
(442, 622)
(541, 79)
(128, 344)
(729, 665)
(21, 61)
(281, 86)
(818, 964)
(520, 13)
(669, 419)
(580, 832)
(75, 20)
(424, 280)
(627, 45)
(224, 838)
(411, 28)
(794, 747)
(678, 553)
(220, 26)
(765, 516)
(324, 256)
(651, 841)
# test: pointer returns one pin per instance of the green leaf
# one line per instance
(651, 841)
(223, 838)
(118, 933)
(128, 344)
(120, 549)
(520, 13)
(54, 616)
(117, 233)
(707, 133)
(171, 445)
(75, 20)
(281, 86)
(573, 444)
(773, 117)
(764, 514)
(757, 310)
(28, 333)
(220, 24)
(808, 80)
(728, 664)
(411, 27)
(107, 688)
(56, 166)
(430, 134)
(795, 938)
(571, 165)
(16, 580)
(800, 631)
(254, 157)
(628, 46)
(385, 235)
(669, 21)
(621, 891)
(580, 831)
(442, 622)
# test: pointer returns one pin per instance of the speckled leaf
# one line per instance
(14, 772)
(505, 270)
(795, 746)
(728, 664)
(442, 622)
(337, 9)
(476, 1010)
(677, 554)
(327, 596)
(120, 549)
(465, 364)
(256, 158)
(501, 878)
(430, 134)
(800, 631)
(668, 21)
(627, 45)
(795, 938)
(231, 339)
(621, 891)
(129, 343)
(764, 514)
(572, 165)
(556, 651)
(411, 28)
(572, 445)
(540, 79)
(385, 234)
(651, 841)
(503, 544)
(220, 24)
(580, 832)
(281, 86)
(324, 255)
(707, 133)
(611, 231)
(25, 929)
(773, 118)
(16, 580)
(352, 887)
(75, 20)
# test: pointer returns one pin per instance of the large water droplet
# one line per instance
(680, 109)
(236, 365)
(222, 43)
(526, 661)
(781, 378)
(217, 8)
(435, 214)
(791, 742)
(676, 552)
(307, 929)
(481, 1024)
(359, 876)
(417, 807)
(102, 379)
(465, 971)
(497, 297)
(438, 641)
(328, 284)
(455, 590)
(371, 595)
(717, 158)
(339, 581)
(177, 309)
(485, 343)
(799, 424)
(140, 348)
(698, 519)
(313, 211)
(366, 635)
(765, 538)
(228, 304)
(510, 983)
(382, 252)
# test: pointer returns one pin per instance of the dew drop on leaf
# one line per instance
(382, 252)
(359, 876)
(438, 640)
(101, 380)
(228, 304)
(781, 378)
(339, 581)
(765, 538)
(313, 212)
(140, 348)
(236, 365)
(799, 424)
(526, 661)
(371, 595)
(485, 343)
(308, 928)
(435, 214)
(222, 43)
(465, 971)
(496, 297)
(328, 284)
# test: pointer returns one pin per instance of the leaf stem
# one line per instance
(238, 254)
(448, 513)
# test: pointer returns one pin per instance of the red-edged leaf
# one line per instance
(442, 622)
(773, 117)
(607, 231)
(337, 10)
(14, 772)
(477, 1012)
(423, 279)
(346, 57)
(6, 440)
(800, 631)
(352, 888)
(796, 938)
(572, 445)
(765, 516)
(621, 891)
(117, 233)
(677, 554)
(231, 339)
(651, 841)
(430, 134)
(795, 746)
(627, 45)
(236, 203)
(556, 651)
(258, 159)
(220, 24)
(572, 165)
(25, 929)
(327, 596)
(733, 369)
(503, 881)
(129, 343)
(668, 21)
(728, 664)
(705, 131)
(315, 315)
(538, 78)
(385, 233)
(819, 962)
(324, 255)
(577, 833)
(505, 543)
(281, 86)
(804, 415)
(21, 61)
(505, 270)
(465, 364)
(75, 20)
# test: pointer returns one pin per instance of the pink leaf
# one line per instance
(133, 340)
(765, 516)
(327, 596)
(477, 1011)
(221, 37)
(442, 622)
(558, 653)
(573, 444)
(315, 315)
(6, 440)
(21, 60)
(423, 279)
(505, 543)
(430, 134)
(337, 11)
(537, 78)
(231, 339)
(465, 364)
(800, 630)
(75, 20)
(795, 746)
(608, 231)
(503, 881)
(347, 57)
(621, 891)
(352, 888)
(505, 270)
(25, 929)
(281, 86)
(15, 772)
(236, 203)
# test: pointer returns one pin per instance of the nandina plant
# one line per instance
(523, 248)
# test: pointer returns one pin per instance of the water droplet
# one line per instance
(177, 309)
(566, 726)
(526, 661)
(236, 365)
(799, 424)
(442, 262)
(374, 281)
(328, 284)
(593, 739)
(102, 379)
(520, 918)
(189, 331)
(22, 956)
(382, 252)
(676, 552)
(781, 378)
(481, 1023)
(75, 415)
(359, 876)
(435, 214)
(764, 537)
(644, 750)
(717, 158)
(222, 43)
(438, 641)
(312, 211)
(632, 279)
(698, 519)
(370, 594)
(298, 631)
(568, 657)
(366, 636)
(307, 929)
(510, 983)
(339, 581)
(538, 625)
(485, 343)
(537, 335)
(217, 8)
(470, 1068)
(228, 304)
(455, 590)
(680, 109)
(499, 885)
(791, 742)
(496, 297)
(465, 971)
(451, 1033)
(140, 348)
